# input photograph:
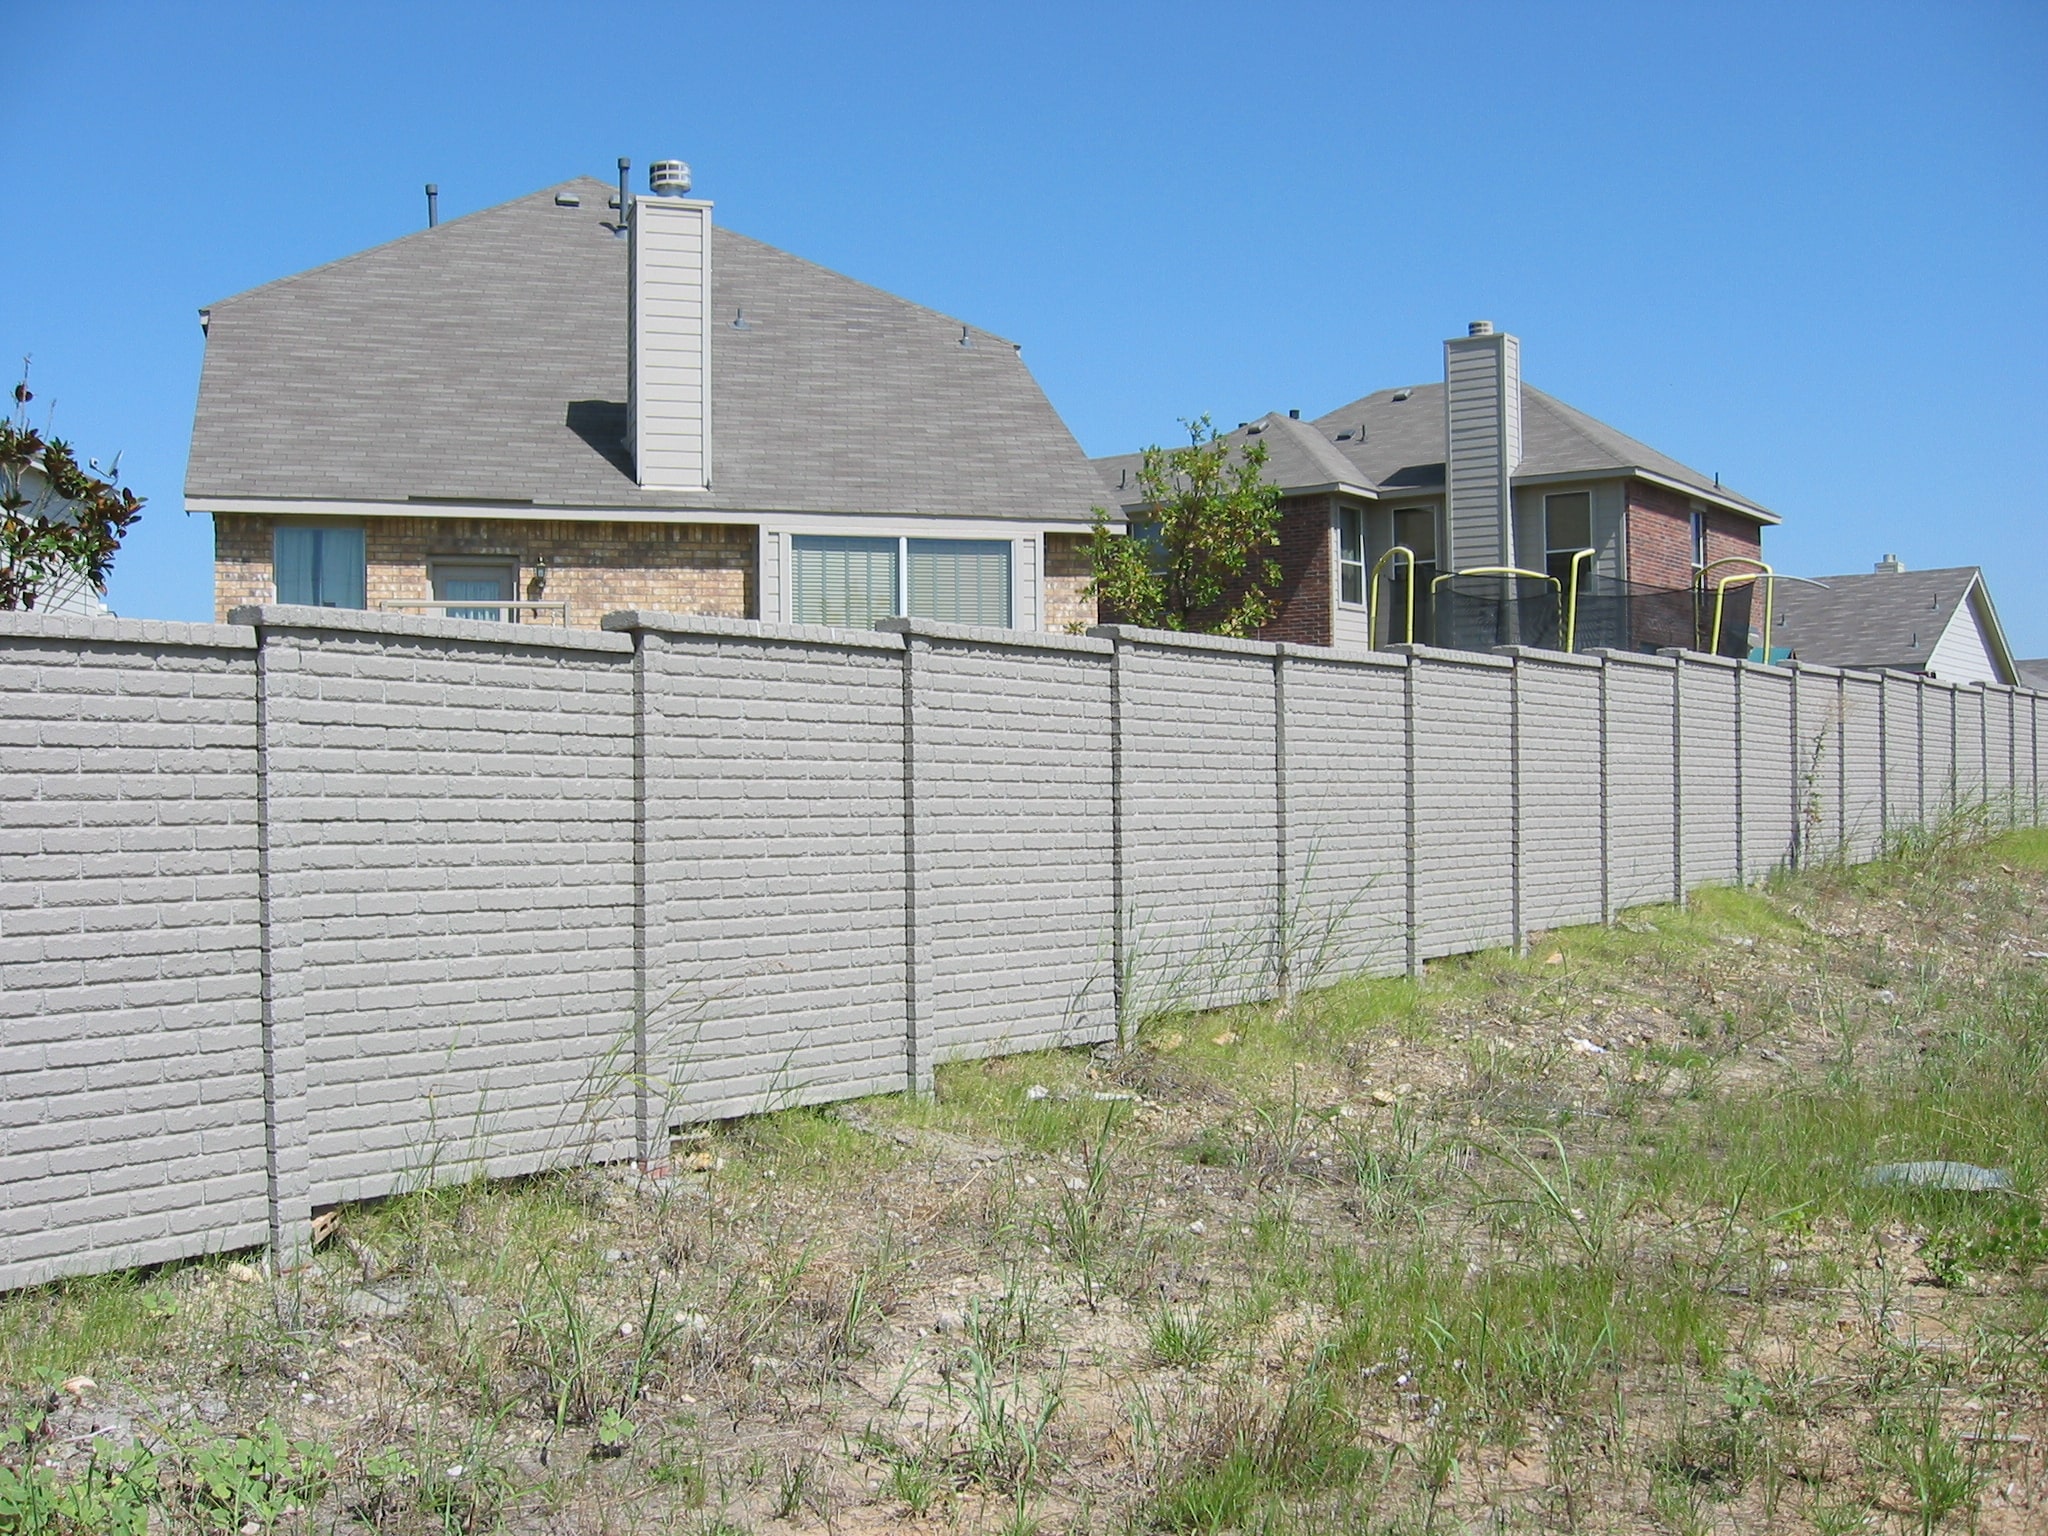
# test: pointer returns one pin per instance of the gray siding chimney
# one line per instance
(1483, 438)
(668, 401)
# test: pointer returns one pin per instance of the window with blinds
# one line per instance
(849, 583)
(852, 582)
(321, 566)
(960, 581)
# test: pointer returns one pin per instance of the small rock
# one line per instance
(625, 1330)
(1966, 1177)
(692, 1322)
(1381, 1097)
(1114, 1097)
(1228, 1037)
(1173, 1041)
(1770, 1055)
(1075, 1183)
(1886, 996)
(947, 1322)
(1199, 1228)
(78, 1386)
(244, 1274)
(1555, 957)
(1741, 941)
(1036, 1092)
(614, 1255)
(1586, 1047)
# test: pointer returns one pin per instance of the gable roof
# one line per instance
(2033, 673)
(485, 361)
(1884, 619)
(1393, 442)
(1299, 459)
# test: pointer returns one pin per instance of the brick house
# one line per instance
(1421, 467)
(551, 409)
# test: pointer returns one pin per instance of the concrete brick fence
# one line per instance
(316, 906)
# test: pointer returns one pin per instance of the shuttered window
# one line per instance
(849, 583)
(320, 566)
(960, 581)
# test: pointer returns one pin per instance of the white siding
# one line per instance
(1963, 654)
(670, 373)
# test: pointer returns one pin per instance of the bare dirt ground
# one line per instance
(1585, 1240)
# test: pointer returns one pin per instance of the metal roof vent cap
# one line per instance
(669, 178)
(1479, 328)
(1890, 565)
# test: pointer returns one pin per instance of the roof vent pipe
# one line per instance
(1479, 328)
(1890, 565)
(622, 204)
(668, 178)
(433, 205)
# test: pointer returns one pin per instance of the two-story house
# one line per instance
(560, 406)
(1481, 471)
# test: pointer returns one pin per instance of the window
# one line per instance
(490, 582)
(1567, 529)
(320, 565)
(1351, 555)
(1699, 541)
(852, 582)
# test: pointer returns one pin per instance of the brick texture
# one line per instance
(1463, 817)
(131, 1053)
(1659, 536)
(534, 898)
(596, 568)
(1069, 573)
(1307, 591)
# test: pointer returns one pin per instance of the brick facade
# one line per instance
(596, 568)
(1307, 592)
(1659, 537)
(1069, 605)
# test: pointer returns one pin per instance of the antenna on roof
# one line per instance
(433, 205)
(625, 165)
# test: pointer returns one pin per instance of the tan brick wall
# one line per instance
(596, 568)
(1068, 573)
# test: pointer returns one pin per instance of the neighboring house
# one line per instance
(70, 594)
(534, 414)
(1484, 471)
(2034, 674)
(1940, 622)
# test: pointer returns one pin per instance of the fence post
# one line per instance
(1414, 953)
(288, 1162)
(648, 1137)
(1119, 884)
(1677, 776)
(1515, 817)
(917, 1063)
(1285, 913)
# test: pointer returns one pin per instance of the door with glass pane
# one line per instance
(476, 589)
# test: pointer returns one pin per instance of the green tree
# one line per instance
(60, 522)
(1198, 553)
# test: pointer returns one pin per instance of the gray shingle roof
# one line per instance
(486, 360)
(1873, 620)
(1298, 457)
(1394, 442)
(2033, 674)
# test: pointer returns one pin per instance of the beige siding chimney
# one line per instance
(1483, 437)
(668, 403)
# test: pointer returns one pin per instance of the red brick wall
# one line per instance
(1659, 536)
(1307, 590)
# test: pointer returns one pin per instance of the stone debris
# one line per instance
(1966, 1177)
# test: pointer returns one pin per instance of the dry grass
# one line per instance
(1576, 1242)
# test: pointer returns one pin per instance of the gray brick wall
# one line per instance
(1200, 820)
(1463, 773)
(1015, 887)
(1770, 770)
(1642, 783)
(776, 962)
(131, 1041)
(1347, 814)
(451, 848)
(1863, 788)
(1709, 798)
(1559, 789)
(322, 906)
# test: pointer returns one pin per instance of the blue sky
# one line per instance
(1805, 246)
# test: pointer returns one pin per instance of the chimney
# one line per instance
(1890, 565)
(668, 359)
(1483, 438)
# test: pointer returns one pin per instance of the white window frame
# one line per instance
(1350, 519)
(787, 555)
